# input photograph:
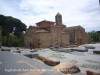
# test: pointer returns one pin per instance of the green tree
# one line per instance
(11, 25)
(30, 26)
(4, 39)
(15, 41)
(95, 36)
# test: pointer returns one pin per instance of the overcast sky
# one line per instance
(74, 12)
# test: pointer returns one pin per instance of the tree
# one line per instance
(4, 39)
(95, 36)
(30, 26)
(11, 25)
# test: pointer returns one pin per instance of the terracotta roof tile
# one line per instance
(45, 21)
(72, 27)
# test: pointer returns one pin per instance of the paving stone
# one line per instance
(11, 61)
(17, 51)
(62, 50)
(78, 49)
(79, 74)
(5, 49)
(89, 47)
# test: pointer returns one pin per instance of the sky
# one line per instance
(85, 13)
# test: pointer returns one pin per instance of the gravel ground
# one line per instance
(85, 60)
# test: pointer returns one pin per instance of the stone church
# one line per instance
(48, 33)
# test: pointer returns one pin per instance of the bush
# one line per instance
(14, 41)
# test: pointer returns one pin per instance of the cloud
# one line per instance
(74, 12)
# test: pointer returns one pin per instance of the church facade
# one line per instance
(48, 33)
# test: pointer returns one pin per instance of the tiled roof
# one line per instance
(45, 21)
(73, 27)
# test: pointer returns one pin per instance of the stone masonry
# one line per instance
(77, 35)
(48, 33)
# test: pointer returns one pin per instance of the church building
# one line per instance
(48, 33)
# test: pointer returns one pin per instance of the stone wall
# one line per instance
(0, 36)
(45, 39)
(65, 39)
(77, 35)
(27, 40)
(81, 37)
(36, 40)
(56, 35)
(47, 35)
(48, 39)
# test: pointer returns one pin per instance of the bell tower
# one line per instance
(58, 19)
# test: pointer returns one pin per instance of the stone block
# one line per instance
(79, 49)
(5, 49)
(48, 61)
(89, 47)
(92, 72)
(66, 68)
(96, 51)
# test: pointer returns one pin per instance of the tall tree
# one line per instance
(30, 26)
(11, 25)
